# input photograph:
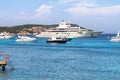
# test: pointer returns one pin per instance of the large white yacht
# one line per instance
(68, 31)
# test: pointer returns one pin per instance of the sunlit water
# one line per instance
(79, 59)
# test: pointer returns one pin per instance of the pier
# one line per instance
(3, 64)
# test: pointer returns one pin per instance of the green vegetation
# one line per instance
(26, 27)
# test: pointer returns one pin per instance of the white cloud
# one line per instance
(41, 11)
(21, 15)
(85, 8)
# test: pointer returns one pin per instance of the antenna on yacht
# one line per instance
(118, 34)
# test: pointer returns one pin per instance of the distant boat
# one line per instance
(5, 35)
(116, 38)
(25, 39)
(57, 40)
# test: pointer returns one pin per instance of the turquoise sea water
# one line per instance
(79, 59)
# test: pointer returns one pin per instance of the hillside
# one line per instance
(27, 28)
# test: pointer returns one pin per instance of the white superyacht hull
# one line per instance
(69, 34)
(90, 34)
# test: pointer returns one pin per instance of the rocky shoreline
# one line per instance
(27, 28)
(23, 30)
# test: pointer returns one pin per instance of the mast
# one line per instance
(118, 34)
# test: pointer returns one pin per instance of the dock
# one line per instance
(3, 64)
(6, 62)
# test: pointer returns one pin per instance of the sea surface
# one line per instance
(78, 59)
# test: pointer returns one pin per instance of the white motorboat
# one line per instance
(25, 39)
(57, 40)
(68, 31)
(5, 35)
(116, 38)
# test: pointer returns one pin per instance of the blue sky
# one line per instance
(100, 15)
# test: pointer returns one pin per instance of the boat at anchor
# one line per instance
(5, 35)
(57, 40)
(25, 39)
(116, 38)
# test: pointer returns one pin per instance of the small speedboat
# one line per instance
(57, 40)
(5, 35)
(25, 39)
(116, 38)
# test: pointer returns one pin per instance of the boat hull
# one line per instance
(69, 34)
(22, 40)
(25, 39)
(56, 41)
(6, 37)
(89, 34)
(115, 40)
